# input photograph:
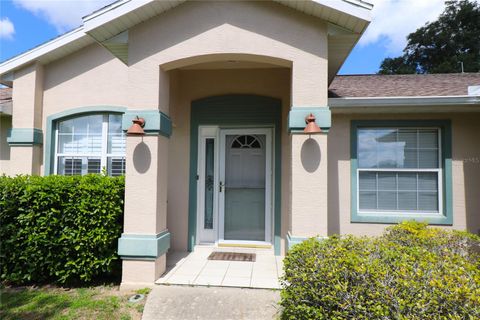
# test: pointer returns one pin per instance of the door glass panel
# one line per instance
(209, 180)
(245, 187)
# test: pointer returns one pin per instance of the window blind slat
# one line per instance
(387, 200)
(368, 200)
(398, 190)
(368, 180)
(387, 181)
(428, 201)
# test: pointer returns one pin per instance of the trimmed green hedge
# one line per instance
(411, 272)
(59, 229)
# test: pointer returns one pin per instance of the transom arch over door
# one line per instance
(245, 142)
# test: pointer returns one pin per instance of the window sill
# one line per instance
(391, 218)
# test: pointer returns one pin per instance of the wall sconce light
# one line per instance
(136, 128)
(311, 127)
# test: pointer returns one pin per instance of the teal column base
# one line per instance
(294, 240)
(143, 246)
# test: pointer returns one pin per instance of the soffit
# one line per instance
(105, 25)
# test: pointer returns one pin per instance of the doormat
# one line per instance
(232, 256)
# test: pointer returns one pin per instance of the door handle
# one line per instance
(221, 186)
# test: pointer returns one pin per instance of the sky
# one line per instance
(25, 24)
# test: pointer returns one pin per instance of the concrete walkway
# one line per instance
(211, 303)
(194, 268)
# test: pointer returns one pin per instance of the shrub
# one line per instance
(411, 272)
(59, 229)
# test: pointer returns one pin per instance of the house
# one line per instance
(225, 89)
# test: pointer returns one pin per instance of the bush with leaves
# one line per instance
(59, 229)
(411, 272)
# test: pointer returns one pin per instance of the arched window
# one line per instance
(246, 142)
(89, 144)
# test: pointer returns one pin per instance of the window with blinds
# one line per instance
(399, 170)
(89, 144)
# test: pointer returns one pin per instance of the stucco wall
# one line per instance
(198, 28)
(189, 85)
(465, 172)
(5, 124)
(89, 77)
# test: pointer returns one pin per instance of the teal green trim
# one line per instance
(24, 137)
(297, 115)
(143, 246)
(445, 217)
(228, 111)
(75, 112)
(293, 240)
(156, 122)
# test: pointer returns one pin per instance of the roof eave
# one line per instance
(42, 50)
(93, 24)
(420, 104)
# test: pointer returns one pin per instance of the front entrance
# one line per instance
(234, 185)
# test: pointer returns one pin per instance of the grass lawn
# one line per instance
(105, 302)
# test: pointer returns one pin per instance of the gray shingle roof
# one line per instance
(5, 94)
(450, 84)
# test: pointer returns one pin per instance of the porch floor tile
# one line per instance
(194, 268)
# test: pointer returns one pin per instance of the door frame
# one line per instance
(235, 110)
(269, 177)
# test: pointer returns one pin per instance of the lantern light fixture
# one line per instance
(311, 127)
(136, 129)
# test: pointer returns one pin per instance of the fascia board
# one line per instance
(403, 101)
(358, 9)
(42, 50)
(113, 12)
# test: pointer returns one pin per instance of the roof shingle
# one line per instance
(421, 85)
(5, 94)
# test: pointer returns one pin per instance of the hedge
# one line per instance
(411, 272)
(59, 229)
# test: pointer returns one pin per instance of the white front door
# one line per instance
(245, 185)
(235, 183)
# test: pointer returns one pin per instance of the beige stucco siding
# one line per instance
(205, 29)
(5, 124)
(465, 172)
(189, 85)
(89, 77)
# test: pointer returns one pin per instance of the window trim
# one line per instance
(103, 155)
(444, 216)
(52, 120)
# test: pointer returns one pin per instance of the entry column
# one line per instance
(145, 239)
(309, 178)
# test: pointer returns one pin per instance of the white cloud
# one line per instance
(64, 15)
(6, 29)
(393, 20)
